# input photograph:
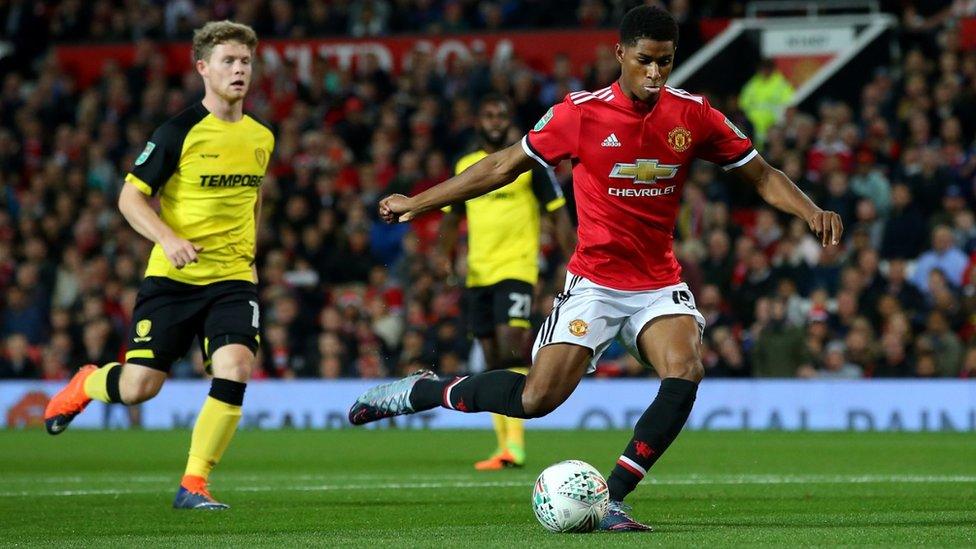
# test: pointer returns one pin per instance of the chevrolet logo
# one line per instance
(645, 171)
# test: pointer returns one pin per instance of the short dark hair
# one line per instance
(495, 97)
(649, 22)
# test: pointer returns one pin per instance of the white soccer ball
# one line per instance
(570, 496)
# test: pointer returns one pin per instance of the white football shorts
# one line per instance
(590, 315)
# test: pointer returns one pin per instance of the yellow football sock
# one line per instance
(515, 432)
(212, 434)
(499, 421)
(96, 384)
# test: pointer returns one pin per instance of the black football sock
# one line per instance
(103, 383)
(498, 391)
(654, 432)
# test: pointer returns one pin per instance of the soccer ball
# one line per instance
(570, 496)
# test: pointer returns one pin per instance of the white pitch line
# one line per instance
(226, 477)
(683, 481)
(811, 479)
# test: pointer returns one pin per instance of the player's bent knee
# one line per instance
(233, 362)
(139, 383)
(237, 370)
(691, 369)
(141, 394)
(537, 403)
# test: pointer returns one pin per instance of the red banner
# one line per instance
(537, 49)
(967, 33)
(800, 68)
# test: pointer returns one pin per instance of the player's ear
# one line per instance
(619, 52)
(201, 67)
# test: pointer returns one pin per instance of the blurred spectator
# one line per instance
(561, 82)
(840, 198)
(969, 364)
(730, 361)
(895, 360)
(925, 365)
(23, 314)
(764, 98)
(869, 182)
(945, 346)
(904, 233)
(905, 292)
(16, 362)
(779, 349)
(836, 365)
(369, 18)
(98, 345)
(718, 264)
(944, 256)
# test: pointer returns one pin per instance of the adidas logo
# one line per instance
(611, 141)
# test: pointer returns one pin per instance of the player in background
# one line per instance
(631, 145)
(206, 166)
(503, 262)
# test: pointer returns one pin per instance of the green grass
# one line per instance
(359, 488)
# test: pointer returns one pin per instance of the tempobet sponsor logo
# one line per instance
(231, 180)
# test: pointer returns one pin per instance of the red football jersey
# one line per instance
(630, 163)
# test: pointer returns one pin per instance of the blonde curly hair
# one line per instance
(220, 32)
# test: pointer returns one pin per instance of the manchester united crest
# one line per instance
(679, 139)
(261, 156)
(578, 327)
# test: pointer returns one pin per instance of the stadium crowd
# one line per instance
(344, 295)
(126, 20)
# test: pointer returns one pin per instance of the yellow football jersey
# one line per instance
(207, 173)
(503, 225)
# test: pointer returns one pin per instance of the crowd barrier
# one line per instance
(789, 405)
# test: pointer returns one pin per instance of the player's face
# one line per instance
(645, 67)
(228, 71)
(493, 123)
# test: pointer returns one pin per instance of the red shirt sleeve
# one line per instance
(555, 136)
(725, 145)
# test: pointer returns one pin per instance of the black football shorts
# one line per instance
(169, 314)
(508, 302)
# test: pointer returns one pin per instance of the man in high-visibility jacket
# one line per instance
(764, 98)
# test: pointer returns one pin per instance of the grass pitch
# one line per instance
(365, 488)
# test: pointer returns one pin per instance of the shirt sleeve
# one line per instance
(555, 136)
(725, 145)
(157, 162)
(546, 189)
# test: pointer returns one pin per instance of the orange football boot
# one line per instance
(69, 402)
(501, 460)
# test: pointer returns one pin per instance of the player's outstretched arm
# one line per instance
(491, 172)
(777, 190)
(565, 232)
(135, 207)
(447, 240)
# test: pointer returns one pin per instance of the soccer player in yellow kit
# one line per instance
(206, 166)
(503, 263)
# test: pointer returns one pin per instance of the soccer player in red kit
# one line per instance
(631, 145)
